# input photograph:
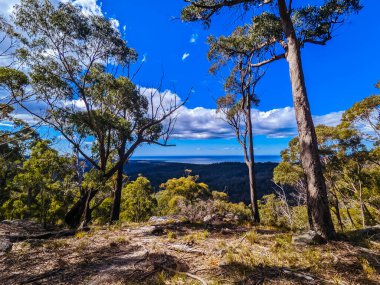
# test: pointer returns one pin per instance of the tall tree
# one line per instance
(236, 108)
(279, 32)
(73, 61)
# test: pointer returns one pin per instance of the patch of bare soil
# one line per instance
(187, 254)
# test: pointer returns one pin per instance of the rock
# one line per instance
(308, 238)
(185, 248)
(208, 218)
(148, 230)
(159, 220)
(5, 244)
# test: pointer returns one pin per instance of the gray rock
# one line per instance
(5, 244)
(208, 218)
(308, 238)
(159, 220)
(148, 230)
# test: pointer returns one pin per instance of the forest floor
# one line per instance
(178, 253)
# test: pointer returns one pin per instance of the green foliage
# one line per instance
(350, 166)
(275, 212)
(138, 202)
(12, 79)
(288, 173)
(102, 213)
(177, 190)
(43, 189)
(365, 113)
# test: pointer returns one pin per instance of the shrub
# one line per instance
(180, 192)
(137, 203)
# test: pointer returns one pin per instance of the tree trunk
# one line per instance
(75, 214)
(316, 187)
(337, 213)
(348, 214)
(251, 167)
(115, 213)
(87, 211)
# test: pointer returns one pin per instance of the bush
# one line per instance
(179, 193)
(275, 212)
(137, 203)
(196, 203)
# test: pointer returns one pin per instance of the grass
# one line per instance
(252, 236)
(196, 237)
(237, 256)
(368, 269)
(171, 235)
(80, 234)
(55, 244)
(120, 240)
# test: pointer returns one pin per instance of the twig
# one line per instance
(202, 281)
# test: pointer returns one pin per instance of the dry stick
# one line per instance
(185, 273)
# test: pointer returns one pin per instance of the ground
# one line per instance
(180, 253)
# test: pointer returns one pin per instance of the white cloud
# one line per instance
(194, 38)
(6, 6)
(185, 55)
(88, 6)
(202, 123)
(115, 23)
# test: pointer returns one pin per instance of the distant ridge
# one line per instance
(207, 159)
(230, 177)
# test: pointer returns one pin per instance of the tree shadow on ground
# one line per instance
(118, 264)
(242, 274)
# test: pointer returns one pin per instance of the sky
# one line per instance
(337, 75)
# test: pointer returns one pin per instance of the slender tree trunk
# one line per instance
(87, 211)
(361, 207)
(348, 214)
(316, 187)
(337, 213)
(115, 213)
(370, 216)
(251, 167)
(336, 205)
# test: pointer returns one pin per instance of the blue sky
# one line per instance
(337, 75)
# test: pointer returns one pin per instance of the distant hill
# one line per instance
(230, 177)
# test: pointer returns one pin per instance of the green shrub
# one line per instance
(137, 203)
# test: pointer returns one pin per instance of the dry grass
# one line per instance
(124, 255)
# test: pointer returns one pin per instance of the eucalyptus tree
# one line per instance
(365, 115)
(73, 61)
(17, 136)
(279, 30)
(236, 107)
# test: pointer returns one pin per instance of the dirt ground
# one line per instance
(188, 254)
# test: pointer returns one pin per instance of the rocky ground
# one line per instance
(178, 253)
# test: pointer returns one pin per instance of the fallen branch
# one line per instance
(202, 281)
(63, 233)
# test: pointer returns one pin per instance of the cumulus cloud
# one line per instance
(202, 123)
(6, 6)
(185, 55)
(194, 38)
(87, 6)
